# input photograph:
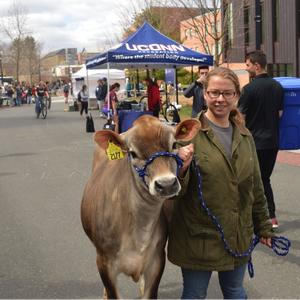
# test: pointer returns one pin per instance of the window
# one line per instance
(247, 26)
(191, 33)
(192, 48)
(275, 20)
(212, 27)
(207, 49)
(206, 29)
(197, 49)
(280, 70)
(262, 23)
(213, 49)
(219, 48)
(218, 26)
(196, 32)
(186, 33)
(230, 26)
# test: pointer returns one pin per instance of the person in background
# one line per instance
(40, 93)
(140, 85)
(48, 100)
(84, 100)
(98, 93)
(29, 95)
(19, 94)
(66, 89)
(10, 94)
(179, 86)
(196, 90)
(113, 99)
(104, 88)
(261, 105)
(232, 191)
(154, 103)
(33, 92)
(128, 88)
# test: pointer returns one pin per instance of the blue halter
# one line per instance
(142, 171)
(277, 242)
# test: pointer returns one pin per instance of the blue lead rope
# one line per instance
(277, 242)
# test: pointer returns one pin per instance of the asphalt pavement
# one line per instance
(44, 253)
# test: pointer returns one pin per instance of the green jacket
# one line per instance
(233, 192)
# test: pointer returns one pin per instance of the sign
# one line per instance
(169, 76)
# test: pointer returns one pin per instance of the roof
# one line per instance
(92, 50)
(54, 53)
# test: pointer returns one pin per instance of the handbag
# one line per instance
(90, 124)
(109, 126)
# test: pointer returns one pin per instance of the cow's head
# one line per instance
(147, 137)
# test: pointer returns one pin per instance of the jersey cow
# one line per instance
(121, 213)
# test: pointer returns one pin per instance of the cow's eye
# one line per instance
(132, 154)
(174, 146)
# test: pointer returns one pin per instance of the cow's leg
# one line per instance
(108, 279)
(152, 277)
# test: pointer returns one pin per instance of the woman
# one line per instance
(10, 93)
(84, 100)
(232, 190)
(112, 105)
(154, 103)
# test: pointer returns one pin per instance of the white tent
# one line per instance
(79, 79)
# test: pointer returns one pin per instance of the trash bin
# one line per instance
(289, 124)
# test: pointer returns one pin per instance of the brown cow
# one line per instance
(122, 217)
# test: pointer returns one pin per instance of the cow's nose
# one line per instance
(165, 188)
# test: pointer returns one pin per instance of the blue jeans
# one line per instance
(37, 104)
(19, 100)
(195, 283)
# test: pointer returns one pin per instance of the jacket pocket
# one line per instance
(205, 244)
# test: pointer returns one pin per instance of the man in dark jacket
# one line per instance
(261, 105)
(104, 88)
(196, 90)
(98, 93)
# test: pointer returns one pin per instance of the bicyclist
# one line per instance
(40, 93)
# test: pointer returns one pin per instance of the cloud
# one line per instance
(71, 24)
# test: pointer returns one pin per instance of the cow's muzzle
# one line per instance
(142, 172)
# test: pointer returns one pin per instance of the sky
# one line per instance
(70, 23)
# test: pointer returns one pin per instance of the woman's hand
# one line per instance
(265, 241)
(186, 154)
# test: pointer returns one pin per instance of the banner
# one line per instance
(169, 76)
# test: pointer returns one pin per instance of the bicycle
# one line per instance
(43, 109)
(169, 111)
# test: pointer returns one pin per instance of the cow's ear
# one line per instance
(102, 137)
(187, 129)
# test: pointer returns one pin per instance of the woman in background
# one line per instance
(154, 103)
(84, 100)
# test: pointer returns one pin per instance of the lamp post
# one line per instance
(1, 69)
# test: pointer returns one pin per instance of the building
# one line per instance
(89, 52)
(167, 20)
(278, 37)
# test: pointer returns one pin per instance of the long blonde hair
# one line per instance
(229, 74)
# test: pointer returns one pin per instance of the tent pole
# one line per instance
(108, 93)
(176, 86)
(87, 83)
(192, 74)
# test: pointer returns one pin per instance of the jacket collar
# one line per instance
(239, 126)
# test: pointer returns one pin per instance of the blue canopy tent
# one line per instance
(147, 48)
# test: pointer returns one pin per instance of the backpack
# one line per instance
(79, 97)
(66, 89)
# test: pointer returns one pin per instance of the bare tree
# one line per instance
(14, 26)
(211, 27)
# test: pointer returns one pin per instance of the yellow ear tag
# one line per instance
(113, 152)
(183, 129)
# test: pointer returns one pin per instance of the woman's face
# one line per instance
(147, 83)
(117, 88)
(220, 107)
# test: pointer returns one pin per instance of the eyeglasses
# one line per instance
(216, 94)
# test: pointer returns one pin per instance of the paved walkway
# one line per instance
(291, 157)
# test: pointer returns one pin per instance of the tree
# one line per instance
(214, 25)
(14, 27)
(30, 55)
